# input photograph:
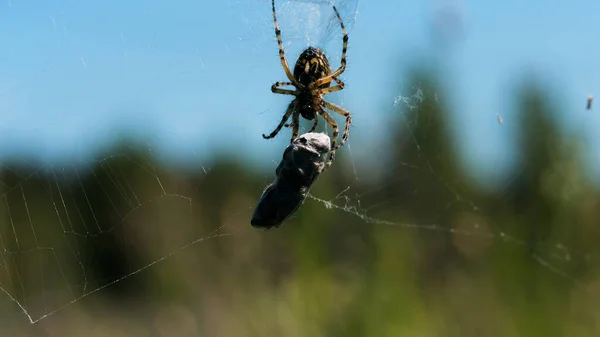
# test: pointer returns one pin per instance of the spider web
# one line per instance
(97, 226)
(303, 23)
(60, 220)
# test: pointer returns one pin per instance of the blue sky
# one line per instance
(193, 77)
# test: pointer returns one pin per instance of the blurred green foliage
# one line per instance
(426, 252)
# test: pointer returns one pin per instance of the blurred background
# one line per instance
(464, 204)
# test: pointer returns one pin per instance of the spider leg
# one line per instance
(335, 88)
(314, 127)
(341, 69)
(334, 126)
(284, 63)
(287, 115)
(344, 113)
(276, 90)
(295, 126)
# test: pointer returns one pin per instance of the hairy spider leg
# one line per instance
(295, 125)
(314, 127)
(340, 85)
(276, 90)
(284, 63)
(341, 69)
(287, 115)
(334, 126)
(344, 113)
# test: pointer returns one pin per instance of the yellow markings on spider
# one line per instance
(311, 79)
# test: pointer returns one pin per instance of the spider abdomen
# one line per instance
(312, 65)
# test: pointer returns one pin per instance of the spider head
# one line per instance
(312, 64)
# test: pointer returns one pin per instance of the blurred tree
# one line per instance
(425, 179)
(421, 185)
(546, 207)
(102, 200)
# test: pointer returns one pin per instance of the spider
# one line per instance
(311, 79)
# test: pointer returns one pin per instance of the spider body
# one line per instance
(305, 105)
(311, 79)
(312, 65)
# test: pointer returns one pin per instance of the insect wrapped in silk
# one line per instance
(303, 160)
